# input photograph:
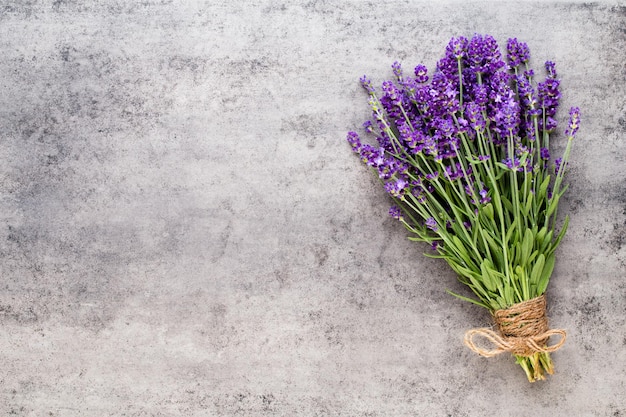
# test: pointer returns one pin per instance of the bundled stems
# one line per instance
(466, 159)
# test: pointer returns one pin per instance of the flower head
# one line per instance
(484, 196)
(367, 84)
(457, 47)
(574, 122)
(395, 212)
(517, 52)
(473, 112)
(421, 74)
(453, 144)
(431, 223)
(551, 68)
(483, 55)
(354, 141)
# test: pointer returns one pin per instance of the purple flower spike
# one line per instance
(431, 223)
(397, 71)
(574, 122)
(395, 212)
(484, 197)
(354, 141)
(507, 115)
(526, 93)
(457, 47)
(421, 74)
(484, 55)
(517, 52)
(513, 165)
(397, 188)
(557, 166)
(474, 114)
(551, 68)
(367, 84)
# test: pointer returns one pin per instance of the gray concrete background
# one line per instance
(184, 230)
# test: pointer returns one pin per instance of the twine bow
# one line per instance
(523, 331)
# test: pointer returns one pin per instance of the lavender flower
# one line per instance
(421, 74)
(507, 115)
(513, 164)
(574, 122)
(551, 68)
(431, 223)
(517, 52)
(484, 196)
(457, 47)
(367, 84)
(397, 188)
(395, 212)
(473, 112)
(549, 96)
(481, 94)
(483, 56)
(527, 94)
(354, 141)
(397, 71)
(464, 155)
(557, 165)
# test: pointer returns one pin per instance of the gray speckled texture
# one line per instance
(185, 232)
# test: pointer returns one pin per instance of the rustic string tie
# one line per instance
(523, 331)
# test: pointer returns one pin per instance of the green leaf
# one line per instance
(500, 303)
(509, 234)
(546, 242)
(543, 188)
(529, 204)
(502, 166)
(460, 249)
(436, 256)
(509, 295)
(488, 210)
(507, 204)
(533, 256)
(554, 203)
(527, 246)
(545, 274)
(495, 248)
(561, 234)
(471, 300)
(535, 273)
(488, 279)
(478, 286)
(541, 235)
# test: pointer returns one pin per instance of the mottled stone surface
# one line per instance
(184, 231)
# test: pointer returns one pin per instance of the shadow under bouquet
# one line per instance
(465, 155)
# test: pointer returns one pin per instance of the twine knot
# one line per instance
(523, 331)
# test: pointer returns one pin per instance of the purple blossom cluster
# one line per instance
(444, 133)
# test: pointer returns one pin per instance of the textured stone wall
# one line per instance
(184, 230)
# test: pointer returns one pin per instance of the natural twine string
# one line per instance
(523, 331)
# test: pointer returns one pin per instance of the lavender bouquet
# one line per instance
(465, 155)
